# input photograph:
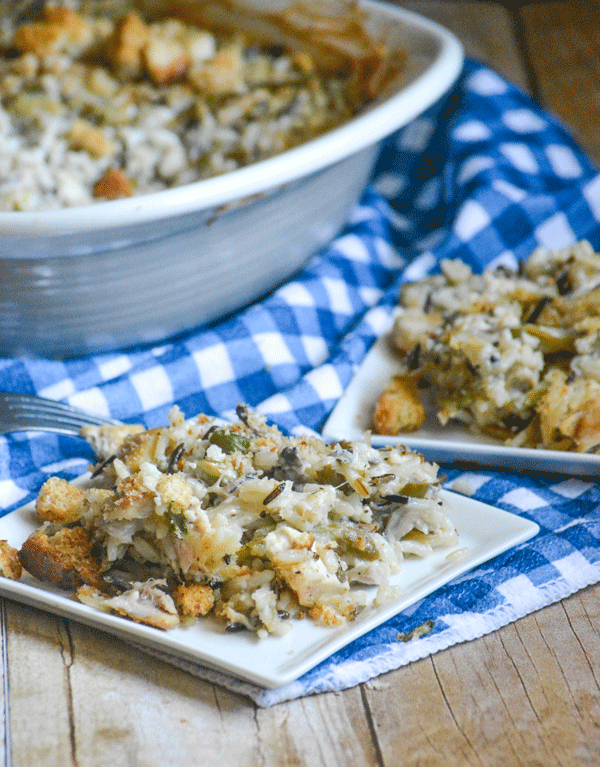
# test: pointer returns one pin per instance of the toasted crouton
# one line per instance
(40, 39)
(174, 491)
(64, 557)
(84, 135)
(139, 448)
(570, 414)
(73, 24)
(113, 185)
(399, 408)
(221, 75)
(194, 599)
(59, 501)
(59, 29)
(166, 60)
(124, 47)
(10, 567)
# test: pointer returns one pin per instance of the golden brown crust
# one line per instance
(38, 38)
(326, 615)
(84, 135)
(10, 566)
(139, 448)
(194, 599)
(222, 75)
(570, 415)
(165, 60)
(399, 408)
(57, 28)
(124, 47)
(63, 558)
(59, 501)
(73, 24)
(336, 42)
(113, 185)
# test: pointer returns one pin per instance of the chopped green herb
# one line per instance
(229, 442)
(178, 523)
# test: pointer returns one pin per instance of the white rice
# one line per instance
(273, 527)
(158, 135)
(515, 355)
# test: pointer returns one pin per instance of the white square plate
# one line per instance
(484, 532)
(449, 444)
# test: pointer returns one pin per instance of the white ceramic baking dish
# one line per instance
(142, 269)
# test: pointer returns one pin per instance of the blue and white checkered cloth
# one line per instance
(486, 175)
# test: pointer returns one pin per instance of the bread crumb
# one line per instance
(10, 566)
(63, 557)
(399, 408)
(84, 135)
(59, 501)
(113, 185)
(194, 599)
(166, 60)
(125, 46)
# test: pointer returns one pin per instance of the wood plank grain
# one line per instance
(132, 706)
(330, 729)
(133, 709)
(562, 39)
(525, 695)
(41, 706)
(95, 700)
(102, 702)
(80, 697)
(485, 29)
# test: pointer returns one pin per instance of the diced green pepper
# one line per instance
(208, 471)
(415, 490)
(229, 441)
(356, 542)
(178, 523)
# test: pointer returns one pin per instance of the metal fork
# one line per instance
(27, 412)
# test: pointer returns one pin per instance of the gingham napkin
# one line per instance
(485, 175)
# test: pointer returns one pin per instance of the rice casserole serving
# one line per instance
(99, 102)
(235, 521)
(513, 354)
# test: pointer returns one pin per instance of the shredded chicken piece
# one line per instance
(144, 603)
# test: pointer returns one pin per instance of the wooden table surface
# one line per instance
(527, 694)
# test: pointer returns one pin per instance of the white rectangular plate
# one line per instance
(484, 532)
(449, 444)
